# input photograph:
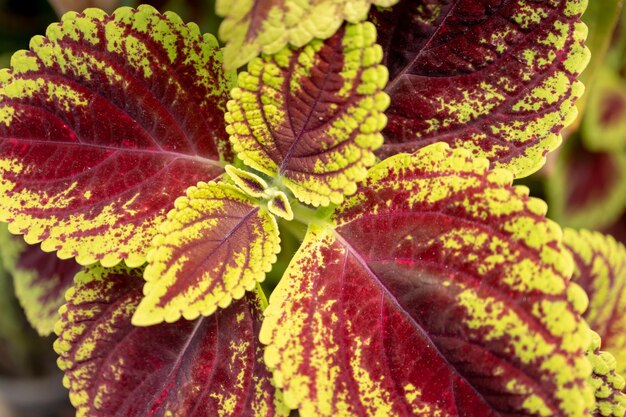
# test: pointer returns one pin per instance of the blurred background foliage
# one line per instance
(583, 182)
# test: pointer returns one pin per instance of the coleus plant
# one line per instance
(426, 284)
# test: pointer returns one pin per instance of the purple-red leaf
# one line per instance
(438, 289)
(40, 279)
(203, 368)
(214, 246)
(103, 123)
(495, 77)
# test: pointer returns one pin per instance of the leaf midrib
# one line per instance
(385, 291)
(392, 83)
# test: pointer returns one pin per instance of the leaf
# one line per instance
(497, 78)
(252, 26)
(600, 269)
(207, 367)
(608, 384)
(313, 115)
(251, 184)
(587, 189)
(40, 280)
(11, 326)
(216, 244)
(102, 124)
(280, 206)
(601, 18)
(604, 125)
(437, 289)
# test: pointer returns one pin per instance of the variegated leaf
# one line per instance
(252, 26)
(601, 18)
(40, 279)
(437, 289)
(587, 189)
(604, 125)
(313, 115)
(600, 269)
(203, 368)
(102, 124)
(215, 245)
(606, 382)
(497, 78)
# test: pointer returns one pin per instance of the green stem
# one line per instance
(307, 215)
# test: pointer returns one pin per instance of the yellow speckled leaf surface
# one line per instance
(438, 289)
(210, 367)
(498, 78)
(215, 245)
(254, 26)
(312, 116)
(103, 123)
(606, 382)
(600, 269)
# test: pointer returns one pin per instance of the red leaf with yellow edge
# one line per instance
(604, 125)
(587, 189)
(215, 245)
(495, 77)
(103, 123)
(437, 289)
(313, 116)
(40, 279)
(600, 269)
(203, 368)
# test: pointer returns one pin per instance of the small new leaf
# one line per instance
(600, 269)
(279, 205)
(497, 78)
(203, 368)
(312, 116)
(253, 26)
(251, 184)
(216, 244)
(440, 290)
(102, 124)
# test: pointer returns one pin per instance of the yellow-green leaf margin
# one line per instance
(606, 382)
(436, 274)
(312, 117)
(216, 244)
(253, 26)
(600, 269)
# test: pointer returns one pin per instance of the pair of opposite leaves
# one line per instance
(95, 65)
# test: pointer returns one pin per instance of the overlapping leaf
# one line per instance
(102, 124)
(497, 78)
(40, 279)
(313, 115)
(438, 289)
(216, 244)
(604, 126)
(601, 18)
(252, 26)
(606, 382)
(600, 268)
(203, 368)
(587, 189)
